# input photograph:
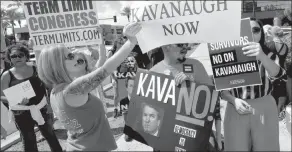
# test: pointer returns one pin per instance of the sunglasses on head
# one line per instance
(256, 30)
(17, 56)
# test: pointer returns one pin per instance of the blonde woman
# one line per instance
(93, 60)
(79, 111)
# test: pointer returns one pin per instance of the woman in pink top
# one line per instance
(80, 112)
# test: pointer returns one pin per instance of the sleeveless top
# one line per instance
(37, 85)
(87, 125)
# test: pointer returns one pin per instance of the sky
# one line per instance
(106, 9)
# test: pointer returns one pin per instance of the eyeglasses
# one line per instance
(70, 56)
(17, 56)
(80, 61)
(184, 46)
(256, 30)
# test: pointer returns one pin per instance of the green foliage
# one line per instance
(126, 12)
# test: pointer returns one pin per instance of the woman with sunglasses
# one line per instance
(81, 113)
(25, 114)
(92, 62)
(251, 121)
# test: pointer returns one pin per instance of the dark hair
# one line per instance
(262, 40)
(159, 110)
(18, 47)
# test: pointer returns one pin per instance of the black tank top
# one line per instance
(36, 83)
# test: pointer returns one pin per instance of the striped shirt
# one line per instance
(257, 91)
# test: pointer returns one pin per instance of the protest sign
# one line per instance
(72, 23)
(128, 68)
(231, 68)
(170, 118)
(23, 90)
(170, 22)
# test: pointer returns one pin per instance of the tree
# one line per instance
(126, 12)
(18, 14)
(12, 13)
(4, 23)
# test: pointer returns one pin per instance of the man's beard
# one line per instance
(181, 60)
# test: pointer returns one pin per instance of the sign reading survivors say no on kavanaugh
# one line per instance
(231, 68)
(170, 118)
(192, 21)
(73, 23)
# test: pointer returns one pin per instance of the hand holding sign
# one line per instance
(131, 30)
(24, 92)
(180, 78)
(24, 101)
(253, 49)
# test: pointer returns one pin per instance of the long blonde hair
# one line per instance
(51, 65)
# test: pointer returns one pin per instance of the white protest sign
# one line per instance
(15, 94)
(170, 22)
(72, 23)
(201, 53)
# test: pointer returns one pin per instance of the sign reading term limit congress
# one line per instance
(73, 23)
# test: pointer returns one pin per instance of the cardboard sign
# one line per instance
(128, 67)
(170, 118)
(73, 23)
(23, 90)
(170, 22)
(231, 68)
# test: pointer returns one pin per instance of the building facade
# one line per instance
(264, 10)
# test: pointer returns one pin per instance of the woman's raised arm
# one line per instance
(88, 82)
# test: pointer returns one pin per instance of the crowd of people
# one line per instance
(68, 81)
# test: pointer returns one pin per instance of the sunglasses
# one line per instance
(71, 56)
(184, 46)
(80, 61)
(16, 56)
(256, 30)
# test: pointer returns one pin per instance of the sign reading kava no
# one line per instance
(170, 118)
